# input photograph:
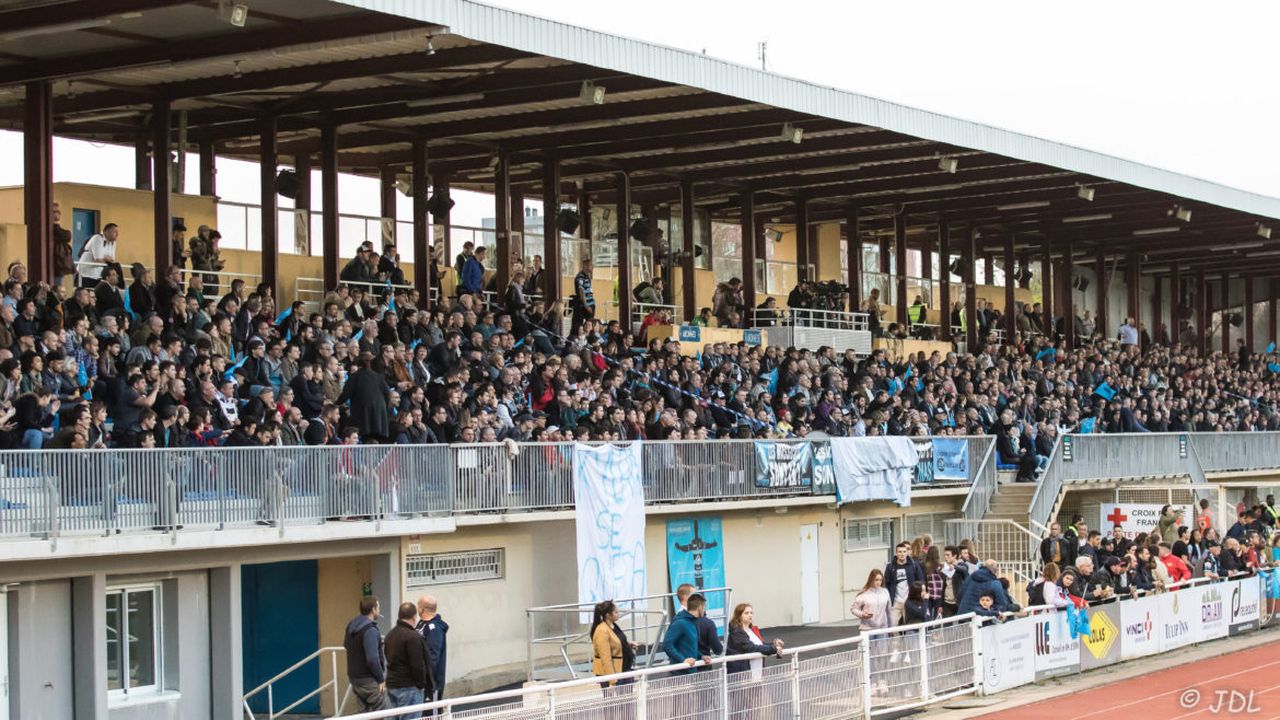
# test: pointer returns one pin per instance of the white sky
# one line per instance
(1186, 86)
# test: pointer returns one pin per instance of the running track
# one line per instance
(1175, 693)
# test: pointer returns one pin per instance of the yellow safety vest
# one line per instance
(915, 314)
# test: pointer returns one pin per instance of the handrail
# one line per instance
(978, 500)
(267, 686)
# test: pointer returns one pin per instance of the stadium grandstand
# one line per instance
(942, 406)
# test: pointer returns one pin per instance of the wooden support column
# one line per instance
(584, 212)
(1046, 286)
(387, 205)
(208, 169)
(1175, 304)
(749, 240)
(1157, 309)
(1068, 309)
(688, 276)
(440, 187)
(989, 265)
(270, 203)
(141, 161)
(1133, 284)
(502, 220)
(421, 223)
(301, 204)
(970, 246)
(1010, 297)
(329, 205)
(1202, 312)
(1248, 312)
(37, 180)
(551, 231)
(944, 278)
(853, 251)
(161, 120)
(518, 251)
(886, 253)
(1271, 313)
(900, 272)
(803, 260)
(622, 216)
(1225, 307)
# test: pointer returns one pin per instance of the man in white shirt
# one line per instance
(100, 250)
(1128, 332)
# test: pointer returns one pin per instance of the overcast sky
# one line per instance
(1187, 86)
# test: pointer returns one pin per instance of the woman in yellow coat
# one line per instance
(610, 651)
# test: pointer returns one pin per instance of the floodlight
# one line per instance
(591, 93)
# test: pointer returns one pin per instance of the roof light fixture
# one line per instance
(948, 164)
(1086, 218)
(791, 133)
(1264, 231)
(591, 93)
(56, 29)
(235, 13)
(445, 100)
(1157, 231)
(431, 48)
(1085, 193)
(1181, 213)
(1022, 206)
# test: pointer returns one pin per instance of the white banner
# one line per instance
(1137, 518)
(1057, 653)
(1246, 605)
(1007, 655)
(874, 468)
(609, 503)
(1140, 627)
(1179, 612)
(1215, 613)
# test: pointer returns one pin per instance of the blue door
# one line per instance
(84, 224)
(280, 627)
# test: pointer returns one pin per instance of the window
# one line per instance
(868, 535)
(928, 524)
(445, 568)
(133, 639)
(726, 251)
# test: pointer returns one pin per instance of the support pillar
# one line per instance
(1248, 312)
(421, 226)
(989, 265)
(329, 204)
(161, 120)
(387, 206)
(853, 249)
(1225, 306)
(440, 188)
(1133, 269)
(622, 216)
(301, 204)
(1101, 288)
(1175, 305)
(688, 282)
(1047, 287)
(748, 221)
(1157, 309)
(208, 169)
(944, 279)
(1271, 314)
(226, 651)
(551, 285)
(37, 145)
(1010, 297)
(1202, 312)
(900, 272)
(141, 162)
(270, 201)
(1068, 309)
(971, 289)
(384, 579)
(584, 212)
(803, 260)
(518, 251)
(886, 253)
(502, 220)
(89, 653)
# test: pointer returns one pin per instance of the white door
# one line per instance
(809, 586)
(4, 656)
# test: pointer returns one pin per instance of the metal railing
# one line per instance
(312, 291)
(1222, 452)
(331, 684)
(250, 279)
(1044, 501)
(808, 318)
(985, 480)
(639, 311)
(879, 672)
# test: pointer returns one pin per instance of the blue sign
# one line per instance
(690, 333)
(783, 465)
(751, 337)
(950, 459)
(695, 555)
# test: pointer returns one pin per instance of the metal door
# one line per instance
(810, 587)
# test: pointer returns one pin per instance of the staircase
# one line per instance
(1003, 534)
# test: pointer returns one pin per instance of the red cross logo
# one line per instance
(1117, 518)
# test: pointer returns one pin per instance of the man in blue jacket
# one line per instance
(434, 631)
(898, 576)
(366, 667)
(473, 273)
(985, 581)
(681, 640)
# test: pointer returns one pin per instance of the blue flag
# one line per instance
(907, 373)
(1273, 367)
(1105, 391)
(284, 315)
(1049, 352)
(1078, 622)
(1088, 424)
(128, 306)
(1273, 583)
(772, 377)
(1272, 347)
(418, 342)
(391, 300)
(359, 334)
(232, 370)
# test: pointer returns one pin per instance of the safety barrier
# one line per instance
(892, 670)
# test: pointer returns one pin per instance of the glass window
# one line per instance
(726, 251)
(132, 639)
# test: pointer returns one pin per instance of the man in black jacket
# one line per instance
(408, 666)
(365, 664)
(955, 573)
(898, 576)
(1056, 548)
(708, 634)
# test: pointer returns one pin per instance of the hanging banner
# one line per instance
(950, 459)
(1178, 614)
(824, 473)
(874, 468)
(1246, 605)
(784, 465)
(924, 462)
(1136, 518)
(695, 555)
(1140, 631)
(1215, 613)
(1057, 653)
(1102, 645)
(609, 504)
(1007, 655)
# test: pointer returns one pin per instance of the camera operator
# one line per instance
(801, 295)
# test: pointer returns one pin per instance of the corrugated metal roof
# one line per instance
(556, 39)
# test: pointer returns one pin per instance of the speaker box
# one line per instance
(287, 184)
(439, 204)
(568, 221)
(1080, 283)
(1236, 319)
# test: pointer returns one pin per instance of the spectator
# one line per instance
(472, 279)
(954, 573)
(727, 303)
(649, 293)
(681, 640)
(745, 638)
(608, 649)
(872, 606)
(916, 609)
(1178, 570)
(708, 634)
(434, 631)
(1056, 548)
(985, 581)
(899, 574)
(408, 675)
(584, 301)
(365, 662)
(98, 252)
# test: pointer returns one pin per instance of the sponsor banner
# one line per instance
(1102, 645)
(924, 464)
(1246, 605)
(690, 333)
(695, 555)
(1179, 613)
(784, 465)
(950, 459)
(1057, 653)
(1215, 610)
(1007, 655)
(751, 337)
(1139, 627)
(1136, 518)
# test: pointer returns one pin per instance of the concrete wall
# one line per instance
(40, 651)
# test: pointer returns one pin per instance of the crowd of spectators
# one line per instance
(173, 362)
